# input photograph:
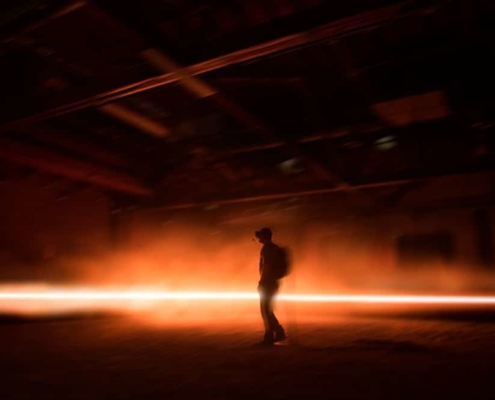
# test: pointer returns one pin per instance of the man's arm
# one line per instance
(261, 262)
(267, 265)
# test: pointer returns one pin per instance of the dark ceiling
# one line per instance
(183, 101)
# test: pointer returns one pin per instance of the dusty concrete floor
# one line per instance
(119, 357)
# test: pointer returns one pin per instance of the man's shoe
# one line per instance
(280, 336)
(268, 339)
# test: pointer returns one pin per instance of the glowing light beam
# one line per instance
(92, 295)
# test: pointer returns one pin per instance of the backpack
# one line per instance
(283, 262)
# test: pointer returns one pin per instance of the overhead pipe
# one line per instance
(313, 192)
(61, 12)
(336, 29)
(278, 196)
(201, 89)
(338, 133)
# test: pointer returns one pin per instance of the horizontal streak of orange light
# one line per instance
(166, 295)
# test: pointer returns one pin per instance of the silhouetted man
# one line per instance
(269, 284)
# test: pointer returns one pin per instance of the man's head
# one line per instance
(264, 235)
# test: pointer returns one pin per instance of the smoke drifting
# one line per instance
(185, 254)
(192, 255)
(179, 257)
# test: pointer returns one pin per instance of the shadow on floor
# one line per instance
(13, 319)
(475, 316)
(394, 346)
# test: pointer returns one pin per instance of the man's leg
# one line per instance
(274, 324)
(265, 311)
(273, 330)
(266, 307)
(277, 331)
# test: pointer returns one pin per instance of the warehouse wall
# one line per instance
(42, 218)
(357, 252)
(335, 246)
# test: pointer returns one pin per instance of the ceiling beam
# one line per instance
(78, 145)
(277, 196)
(336, 29)
(201, 89)
(338, 133)
(406, 184)
(320, 170)
(135, 119)
(34, 157)
(59, 13)
(117, 111)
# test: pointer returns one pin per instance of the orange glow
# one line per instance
(151, 295)
(181, 272)
(157, 304)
